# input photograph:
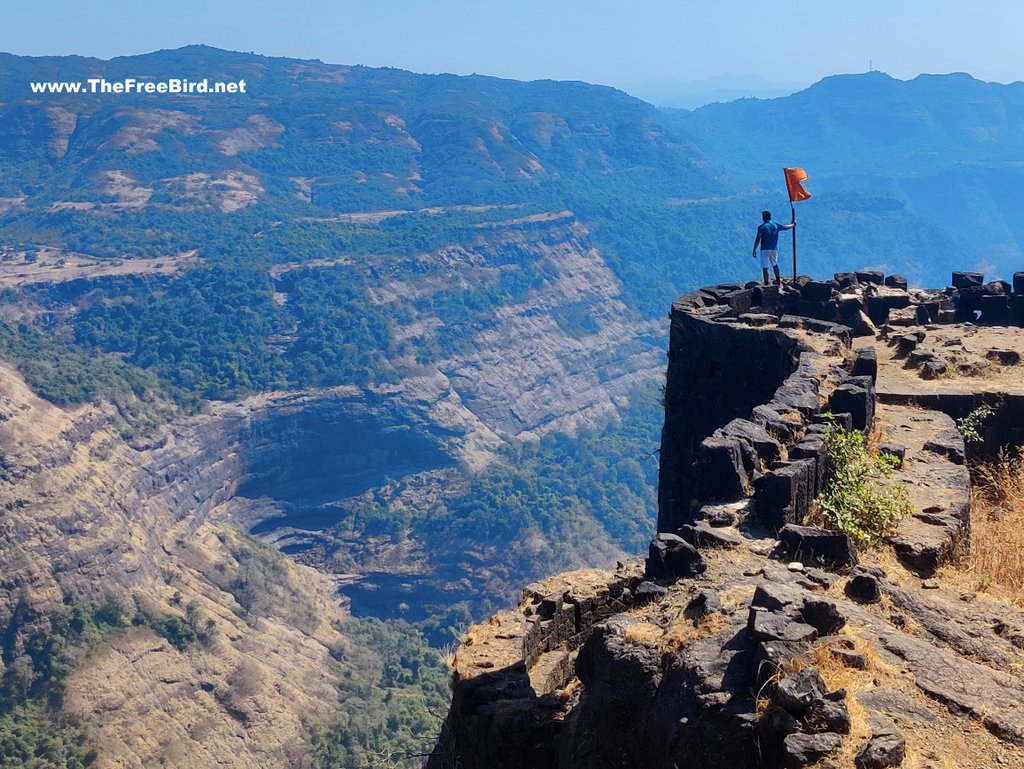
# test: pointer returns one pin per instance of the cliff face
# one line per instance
(716, 373)
(719, 652)
(87, 516)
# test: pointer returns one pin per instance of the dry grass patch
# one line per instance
(685, 631)
(838, 676)
(644, 634)
(996, 554)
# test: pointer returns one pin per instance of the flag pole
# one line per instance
(796, 192)
(792, 210)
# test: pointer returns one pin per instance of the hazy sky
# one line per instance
(619, 43)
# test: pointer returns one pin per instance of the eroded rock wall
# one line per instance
(716, 373)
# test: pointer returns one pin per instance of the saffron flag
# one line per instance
(793, 178)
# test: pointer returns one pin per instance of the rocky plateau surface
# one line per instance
(746, 638)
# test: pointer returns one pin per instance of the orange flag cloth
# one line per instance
(793, 178)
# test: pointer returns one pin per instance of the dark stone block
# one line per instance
(824, 616)
(813, 448)
(819, 577)
(850, 658)
(802, 750)
(826, 715)
(1004, 357)
(690, 301)
(866, 363)
(845, 279)
(819, 290)
(796, 692)
(740, 301)
(532, 640)
(849, 305)
(817, 546)
(878, 306)
(905, 344)
(933, 369)
(722, 289)
(702, 535)
(862, 325)
(648, 592)
(870, 276)
(773, 421)
(863, 588)
(717, 515)
(798, 394)
(777, 723)
(896, 281)
(816, 325)
(968, 300)
(857, 401)
(721, 472)
(773, 657)
(886, 748)
(766, 297)
(996, 288)
(704, 603)
(1016, 310)
(1018, 283)
(785, 493)
(759, 319)
(763, 446)
(964, 280)
(826, 310)
(765, 625)
(788, 300)
(995, 310)
(775, 596)
(670, 557)
(931, 309)
(918, 358)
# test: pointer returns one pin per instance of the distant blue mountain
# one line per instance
(948, 150)
(690, 94)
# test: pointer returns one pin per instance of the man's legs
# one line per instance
(778, 277)
(764, 270)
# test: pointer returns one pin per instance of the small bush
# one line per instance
(970, 426)
(855, 501)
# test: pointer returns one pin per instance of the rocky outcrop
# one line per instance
(751, 640)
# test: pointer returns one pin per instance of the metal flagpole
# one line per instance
(792, 210)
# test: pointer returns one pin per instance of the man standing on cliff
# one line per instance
(768, 238)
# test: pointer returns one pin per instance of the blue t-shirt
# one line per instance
(769, 232)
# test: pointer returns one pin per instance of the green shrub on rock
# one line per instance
(855, 499)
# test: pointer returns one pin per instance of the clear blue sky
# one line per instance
(618, 43)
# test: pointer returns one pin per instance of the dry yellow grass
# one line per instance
(996, 554)
(686, 631)
(838, 676)
(644, 633)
